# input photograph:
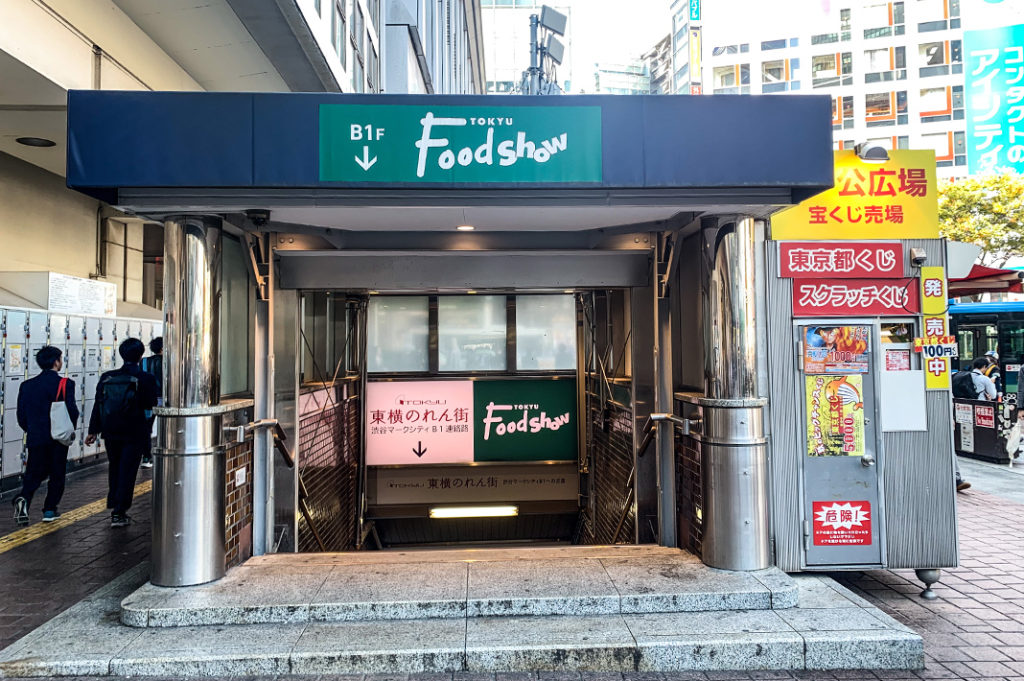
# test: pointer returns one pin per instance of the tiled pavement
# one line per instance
(975, 630)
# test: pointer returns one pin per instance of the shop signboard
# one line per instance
(525, 420)
(994, 69)
(842, 523)
(460, 144)
(855, 297)
(836, 349)
(835, 415)
(984, 416)
(694, 10)
(695, 55)
(869, 201)
(963, 413)
(420, 485)
(841, 260)
(933, 290)
(463, 421)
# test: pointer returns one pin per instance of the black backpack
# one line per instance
(963, 386)
(119, 404)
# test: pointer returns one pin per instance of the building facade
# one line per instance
(622, 79)
(894, 70)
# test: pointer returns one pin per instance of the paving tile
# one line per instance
(402, 591)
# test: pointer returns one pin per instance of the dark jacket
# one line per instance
(147, 400)
(34, 399)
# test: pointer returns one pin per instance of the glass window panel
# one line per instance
(877, 60)
(938, 141)
(545, 332)
(396, 333)
(878, 104)
(471, 333)
(773, 71)
(931, 54)
(235, 344)
(933, 99)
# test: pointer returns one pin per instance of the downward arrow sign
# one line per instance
(366, 162)
(420, 450)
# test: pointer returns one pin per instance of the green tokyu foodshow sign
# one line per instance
(527, 420)
(460, 144)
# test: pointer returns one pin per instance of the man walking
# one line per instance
(154, 364)
(47, 458)
(123, 397)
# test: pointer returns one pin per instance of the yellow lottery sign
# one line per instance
(892, 200)
(936, 369)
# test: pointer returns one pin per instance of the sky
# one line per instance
(612, 30)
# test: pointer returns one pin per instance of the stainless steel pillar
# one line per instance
(189, 472)
(733, 445)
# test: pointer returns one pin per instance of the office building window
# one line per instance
(884, 64)
(938, 15)
(940, 104)
(885, 108)
(959, 149)
(842, 34)
(373, 69)
(731, 49)
(942, 143)
(471, 333)
(316, 7)
(396, 332)
(842, 113)
(358, 30)
(338, 31)
(773, 44)
(886, 18)
(829, 70)
(940, 58)
(731, 80)
(779, 75)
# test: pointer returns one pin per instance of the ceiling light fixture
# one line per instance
(35, 142)
(465, 228)
(473, 511)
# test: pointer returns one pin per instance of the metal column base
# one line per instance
(188, 501)
(734, 465)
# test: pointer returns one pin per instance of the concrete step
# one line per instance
(829, 629)
(578, 581)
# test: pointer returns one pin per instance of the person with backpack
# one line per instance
(123, 397)
(47, 458)
(992, 370)
(154, 364)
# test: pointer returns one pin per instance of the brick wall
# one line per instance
(238, 515)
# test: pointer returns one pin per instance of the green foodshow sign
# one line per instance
(460, 144)
(525, 420)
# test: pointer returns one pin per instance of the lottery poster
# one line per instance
(835, 415)
(836, 349)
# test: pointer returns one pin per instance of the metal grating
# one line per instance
(689, 494)
(328, 469)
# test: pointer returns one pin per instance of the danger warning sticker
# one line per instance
(842, 523)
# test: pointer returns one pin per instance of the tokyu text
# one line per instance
(509, 151)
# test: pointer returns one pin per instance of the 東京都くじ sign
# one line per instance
(895, 199)
(460, 144)
(835, 415)
(462, 421)
(841, 260)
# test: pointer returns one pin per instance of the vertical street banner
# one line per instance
(868, 201)
(835, 415)
(934, 301)
(994, 74)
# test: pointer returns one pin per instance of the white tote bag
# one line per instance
(61, 428)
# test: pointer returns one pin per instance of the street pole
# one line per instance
(534, 55)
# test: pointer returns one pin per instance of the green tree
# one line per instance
(988, 211)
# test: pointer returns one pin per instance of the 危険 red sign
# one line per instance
(845, 260)
(850, 297)
(842, 523)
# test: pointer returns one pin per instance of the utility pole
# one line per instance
(535, 74)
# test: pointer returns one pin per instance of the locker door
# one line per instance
(16, 323)
(38, 332)
(11, 464)
(121, 331)
(12, 431)
(15, 363)
(106, 331)
(76, 330)
(92, 330)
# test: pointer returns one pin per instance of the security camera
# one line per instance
(918, 257)
(259, 216)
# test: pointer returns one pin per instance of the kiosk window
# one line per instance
(545, 333)
(397, 330)
(471, 333)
